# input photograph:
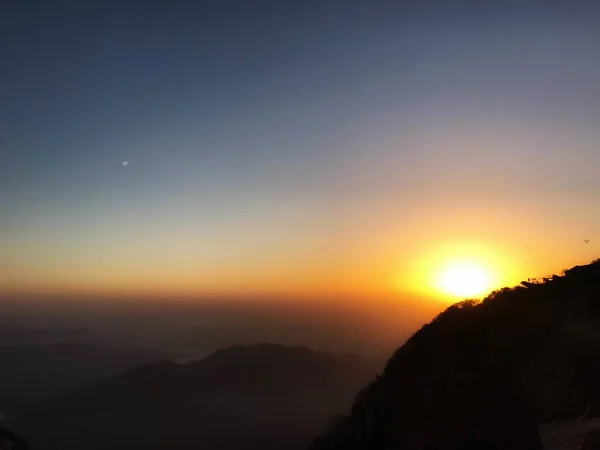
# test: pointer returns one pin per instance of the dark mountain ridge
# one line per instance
(518, 370)
(261, 393)
(31, 374)
(532, 352)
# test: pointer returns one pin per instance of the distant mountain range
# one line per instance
(262, 396)
(30, 374)
(518, 370)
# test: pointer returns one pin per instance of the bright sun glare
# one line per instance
(464, 279)
(459, 270)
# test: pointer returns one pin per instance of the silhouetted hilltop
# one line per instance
(481, 374)
(235, 398)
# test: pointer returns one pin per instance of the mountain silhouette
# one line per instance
(260, 396)
(517, 370)
(31, 374)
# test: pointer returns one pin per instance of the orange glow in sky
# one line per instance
(367, 160)
(459, 270)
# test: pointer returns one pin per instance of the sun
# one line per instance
(464, 279)
(456, 270)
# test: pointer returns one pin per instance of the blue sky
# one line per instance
(274, 141)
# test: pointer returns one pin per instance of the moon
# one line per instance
(125, 163)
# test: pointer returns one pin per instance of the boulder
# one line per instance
(591, 440)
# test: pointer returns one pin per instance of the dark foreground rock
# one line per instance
(570, 434)
(472, 412)
(484, 375)
(483, 412)
(10, 441)
(591, 440)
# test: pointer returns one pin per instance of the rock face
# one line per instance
(482, 375)
(10, 441)
(570, 434)
(485, 411)
(591, 441)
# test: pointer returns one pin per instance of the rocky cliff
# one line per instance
(486, 374)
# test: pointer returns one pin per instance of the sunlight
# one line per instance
(463, 279)
(453, 271)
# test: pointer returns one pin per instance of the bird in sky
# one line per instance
(586, 241)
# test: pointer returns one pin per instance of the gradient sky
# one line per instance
(294, 147)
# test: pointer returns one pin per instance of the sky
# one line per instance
(294, 149)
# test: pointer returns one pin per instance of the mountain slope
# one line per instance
(532, 352)
(265, 395)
